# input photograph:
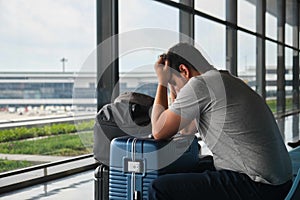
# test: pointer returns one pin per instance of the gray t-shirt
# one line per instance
(237, 126)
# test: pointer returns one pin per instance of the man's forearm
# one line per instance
(165, 123)
(161, 97)
(159, 106)
(160, 102)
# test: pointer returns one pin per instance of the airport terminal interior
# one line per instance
(62, 61)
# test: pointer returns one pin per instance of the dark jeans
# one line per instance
(211, 184)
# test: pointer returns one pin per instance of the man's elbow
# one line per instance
(157, 136)
(157, 130)
(160, 135)
(165, 126)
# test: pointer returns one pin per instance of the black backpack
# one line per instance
(129, 114)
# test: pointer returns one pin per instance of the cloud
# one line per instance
(143, 14)
(38, 33)
(215, 8)
(136, 14)
(211, 37)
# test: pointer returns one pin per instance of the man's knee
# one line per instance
(152, 190)
(156, 188)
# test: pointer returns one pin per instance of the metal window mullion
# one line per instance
(281, 56)
(107, 76)
(295, 24)
(186, 22)
(260, 48)
(231, 37)
(296, 69)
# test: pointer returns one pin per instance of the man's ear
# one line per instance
(184, 71)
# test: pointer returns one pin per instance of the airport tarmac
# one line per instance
(9, 117)
(11, 120)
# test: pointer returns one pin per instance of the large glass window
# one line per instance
(271, 75)
(150, 34)
(141, 14)
(36, 35)
(271, 19)
(247, 14)
(211, 37)
(288, 79)
(290, 21)
(215, 8)
(247, 58)
(43, 45)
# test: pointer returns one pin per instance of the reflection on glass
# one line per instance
(247, 58)
(42, 50)
(215, 8)
(271, 75)
(288, 79)
(271, 19)
(247, 14)
(211, 37)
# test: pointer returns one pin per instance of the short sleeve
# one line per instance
(192, 99)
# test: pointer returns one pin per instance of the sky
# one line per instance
(36, 34)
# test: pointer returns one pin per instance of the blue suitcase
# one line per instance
(135, 163)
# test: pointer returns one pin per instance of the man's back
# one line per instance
(233, 120)
(250, 141)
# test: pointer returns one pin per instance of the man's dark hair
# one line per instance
(175, 61)
(184, 53)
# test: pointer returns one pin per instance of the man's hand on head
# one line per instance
(163, 71)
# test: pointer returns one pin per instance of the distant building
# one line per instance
(64, 88)
(71, 88)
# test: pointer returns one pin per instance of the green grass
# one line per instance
(20, 133)
(273, 104)
(7, 165)
(289, 104)
(59, 145)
